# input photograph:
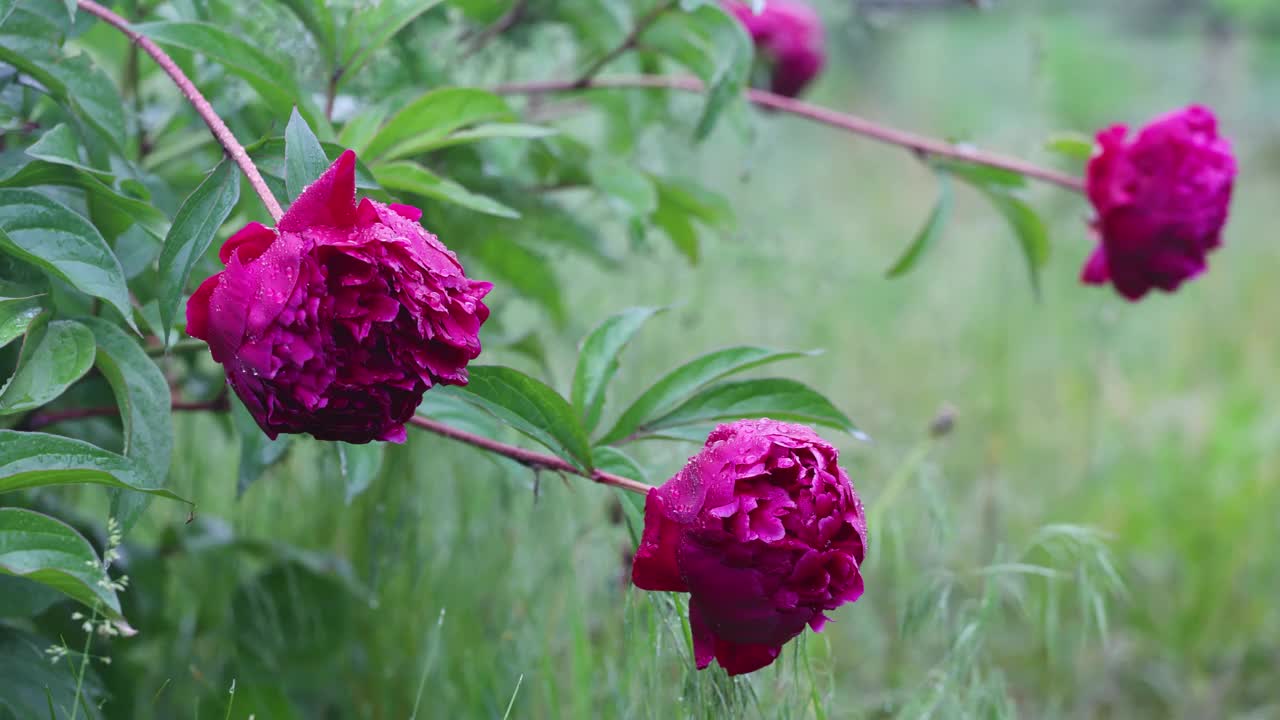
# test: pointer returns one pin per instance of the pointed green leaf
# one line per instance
(359, 130)
(598, 361)
(480, 132)
(50, 552)
(929, 234)
(107, 202)
(530, 407)
(16, 315)
(714, 46)
(388, 18)
(408, 177)
(268, 75)
(304, 159)
(50, 235)
(687, 379)
(193, 229)
(54, 355)
(31, 459)
(1030, 231)
(776, 398)
(59, 145)
(1075, 146)
(142, 393)
(434, 116)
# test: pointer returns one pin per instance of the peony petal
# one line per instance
(251, 241)
(198, 309)
(329, 201)
(654, 566)
(1095, 268)
(704, 642)
(408, 212)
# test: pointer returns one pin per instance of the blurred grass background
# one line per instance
(1155, 425)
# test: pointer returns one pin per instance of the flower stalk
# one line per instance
(919, 144)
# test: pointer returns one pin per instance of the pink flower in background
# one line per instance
(1161, 200)
(336, 322)
(789, 37)
(764, 531)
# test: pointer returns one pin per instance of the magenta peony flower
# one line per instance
(764, 531)
(1161, 201)
(336, 322)
(789, 37)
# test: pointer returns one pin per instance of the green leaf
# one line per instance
(123, 210)
(687, 379)
(257, 451)
(981, 176)
(679, 228)
(75, 82)
(929, 234)
(715, 47)
(629, 189)
(388, 18)
(360, 465)
(142, 393)
(50, 552)
(776, 398)
(359, 130)
(315, 16)
(22, 598)
(268, 154)
(50, 235)
(304, 159)
(31, 459)
(59, 145)
(409, 177)
(434, 116)
(529, 406)
(54, 355)
(709, 208)
(598, 361)
(1075, 146)
(269, 77)
(6, 7)
(193, 229)
(484, 132)
(1027, 226)
(522, 270)
(16, 315)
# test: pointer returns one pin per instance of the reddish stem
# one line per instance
(535, 460)
(843, 121)
(201, 105)
(528, 457)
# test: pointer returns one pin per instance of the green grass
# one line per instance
(1154, 425)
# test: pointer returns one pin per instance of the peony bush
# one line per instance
(335, 312)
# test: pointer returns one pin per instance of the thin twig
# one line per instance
(201, 105)
(850, 123)
(527, 457)
(628, 43)
(509, 19)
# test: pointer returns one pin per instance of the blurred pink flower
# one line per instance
(1161, 201)
(764, 531)
(336, 322)
(789, 37)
